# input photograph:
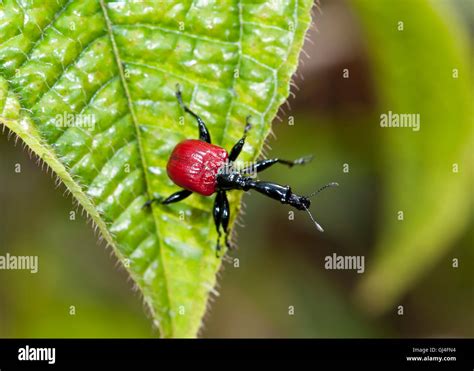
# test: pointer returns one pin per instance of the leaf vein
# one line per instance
(178, 33)
(65, 69)
(60, 11)
(137, 129)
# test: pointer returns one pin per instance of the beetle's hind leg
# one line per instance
(175, 197)
(203, 132)
(221, 218)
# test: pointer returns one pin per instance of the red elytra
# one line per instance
(193, 165)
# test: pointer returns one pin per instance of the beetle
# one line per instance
(198, 166)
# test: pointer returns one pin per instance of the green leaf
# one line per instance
(118, 63)
(418, 73)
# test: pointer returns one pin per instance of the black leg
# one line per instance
(265, 164)
(203, 132)
(175, 197)
(217, 220)
(221, 217)
(225, 217)
(237, 148)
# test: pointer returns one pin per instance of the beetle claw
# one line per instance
(218, 250)
(148, 203)
(228, 244)
(304, 160)
(248, 125)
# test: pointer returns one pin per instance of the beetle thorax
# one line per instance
(229, 178)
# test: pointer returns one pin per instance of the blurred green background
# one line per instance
(278, 286)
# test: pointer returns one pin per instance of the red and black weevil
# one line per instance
(199, 166)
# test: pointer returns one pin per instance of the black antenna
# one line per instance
(318, 227)
(333, 184)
